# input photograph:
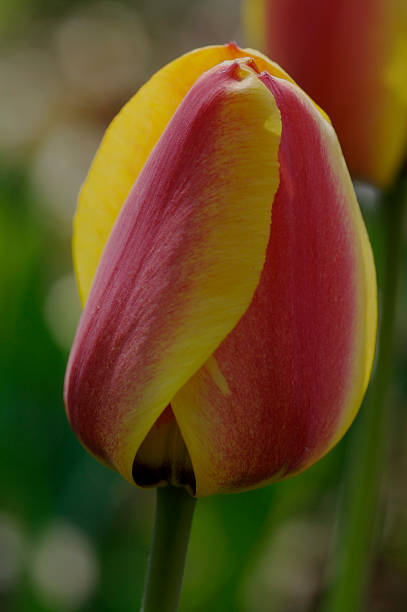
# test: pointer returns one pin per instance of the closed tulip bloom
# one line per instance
(229, 323)
(351, 58)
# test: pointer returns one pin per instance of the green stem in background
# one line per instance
(173, 518)
(360, 512)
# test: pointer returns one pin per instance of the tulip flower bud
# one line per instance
(351, 58)
(229, 286)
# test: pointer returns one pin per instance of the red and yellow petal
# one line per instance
(286, 383)
(352, 60)
(180, 266)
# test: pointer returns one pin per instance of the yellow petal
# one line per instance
(127, 144)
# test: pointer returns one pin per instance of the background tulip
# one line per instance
(351, 58)
(228, 335)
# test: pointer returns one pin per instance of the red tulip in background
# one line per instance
(229, 287)
(351, 58)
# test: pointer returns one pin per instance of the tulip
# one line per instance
(229, 323)
(351, 58)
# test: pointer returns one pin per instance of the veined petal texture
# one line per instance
(230, 319)
(181, 264)
(285, 384)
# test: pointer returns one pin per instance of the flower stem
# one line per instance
(173, 518)
(360, 512)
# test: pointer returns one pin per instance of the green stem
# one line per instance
(360, 510)
(173, 518)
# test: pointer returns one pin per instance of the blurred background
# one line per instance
(74, 535)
